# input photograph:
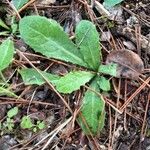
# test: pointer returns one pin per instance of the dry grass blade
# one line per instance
(26, 5)
(53, 134)
(145, 115)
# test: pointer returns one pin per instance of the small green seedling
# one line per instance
(9, 30)
(47, 37)
(26, 123)
(9, 123)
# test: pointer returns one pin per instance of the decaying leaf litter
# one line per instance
(126, 123)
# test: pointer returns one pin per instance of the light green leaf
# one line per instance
(104, 84)
(7, 92)
(14, 27)
(4, 33)
(12, 112)
(2, 24)
(41, 125)
(26, 122)
(6, 53)
(19, 3)
(35, 129)
(31, 76)
(110, 69)
(9, 124)
(92, 111)
(111, 3)
(47, 37)
(72, 81)
(87, 39)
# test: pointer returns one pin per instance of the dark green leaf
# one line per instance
(72, 81)
(6, 53)
(19, 3)
(104, 84)
(110, 69)
(47, 37)
(31, 76)
(87, 39)
(12, 112)
(66, 84)
(92, 111)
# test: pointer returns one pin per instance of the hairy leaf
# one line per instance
(110, 69)
(92, 115)
(19, 3)
(111, 3)
(6, 53)
(104, 84)
(31, 76)
(87, 39)
(72, 81)
(47, 37)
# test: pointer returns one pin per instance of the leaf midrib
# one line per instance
(64, 50)
(93, 60)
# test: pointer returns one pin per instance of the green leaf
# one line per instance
(2, 24)
(12, 112)
(72, 81)
(7, 92)
(110, 69)
(41, 125)
(66, 84)
(47, 37)
(4, 33)
(14, 27)
(31, 76)
(26, 122)
(87, 39)
(6, 53)
(35, 129)
(19, 3)
(111, 3)
(9, 124)
(92, 111)
(104, 84)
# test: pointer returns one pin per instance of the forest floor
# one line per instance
(127, 120)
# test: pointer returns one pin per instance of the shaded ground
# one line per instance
(129, 29)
